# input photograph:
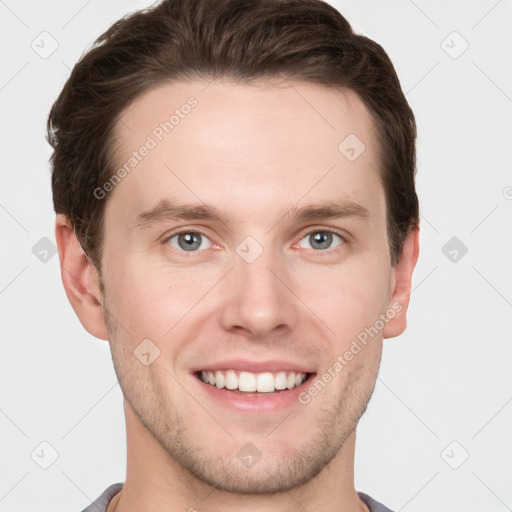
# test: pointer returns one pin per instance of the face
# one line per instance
(250, 249)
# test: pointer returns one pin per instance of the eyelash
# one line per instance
(324, 252)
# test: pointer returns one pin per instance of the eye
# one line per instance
(188, 241)
(320, 239)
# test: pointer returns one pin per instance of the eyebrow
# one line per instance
(166, 210)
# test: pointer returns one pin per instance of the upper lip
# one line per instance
(254, 366)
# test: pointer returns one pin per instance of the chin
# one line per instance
(272, 473)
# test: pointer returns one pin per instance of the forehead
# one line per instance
(254, 148)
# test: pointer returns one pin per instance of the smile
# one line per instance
(264, 382)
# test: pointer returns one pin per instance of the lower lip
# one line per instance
(251, 402)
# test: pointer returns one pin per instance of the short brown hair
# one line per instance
(245, 40)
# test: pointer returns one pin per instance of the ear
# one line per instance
(80, 279)
(401, 284)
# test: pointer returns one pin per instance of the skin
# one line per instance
(254, 152)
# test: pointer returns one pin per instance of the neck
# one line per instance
(155, 481)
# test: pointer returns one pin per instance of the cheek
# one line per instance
(347, 298)
(150, 300)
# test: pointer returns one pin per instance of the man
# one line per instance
(237, 216)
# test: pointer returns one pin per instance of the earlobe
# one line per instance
(401, 285)
(80, 279)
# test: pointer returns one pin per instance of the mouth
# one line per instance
(253, 384)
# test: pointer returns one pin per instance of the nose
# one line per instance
(256, 297)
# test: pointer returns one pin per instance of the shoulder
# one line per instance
(101, 503)
(372, 504)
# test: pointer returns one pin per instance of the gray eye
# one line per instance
(188, 241)
(320, 240)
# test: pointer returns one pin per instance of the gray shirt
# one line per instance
(100, 505)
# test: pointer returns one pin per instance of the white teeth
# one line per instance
(231, 379)
(265, 382)
(219, 379)
(280, 380)
(247, 382)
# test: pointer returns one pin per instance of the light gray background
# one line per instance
(446, 380)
